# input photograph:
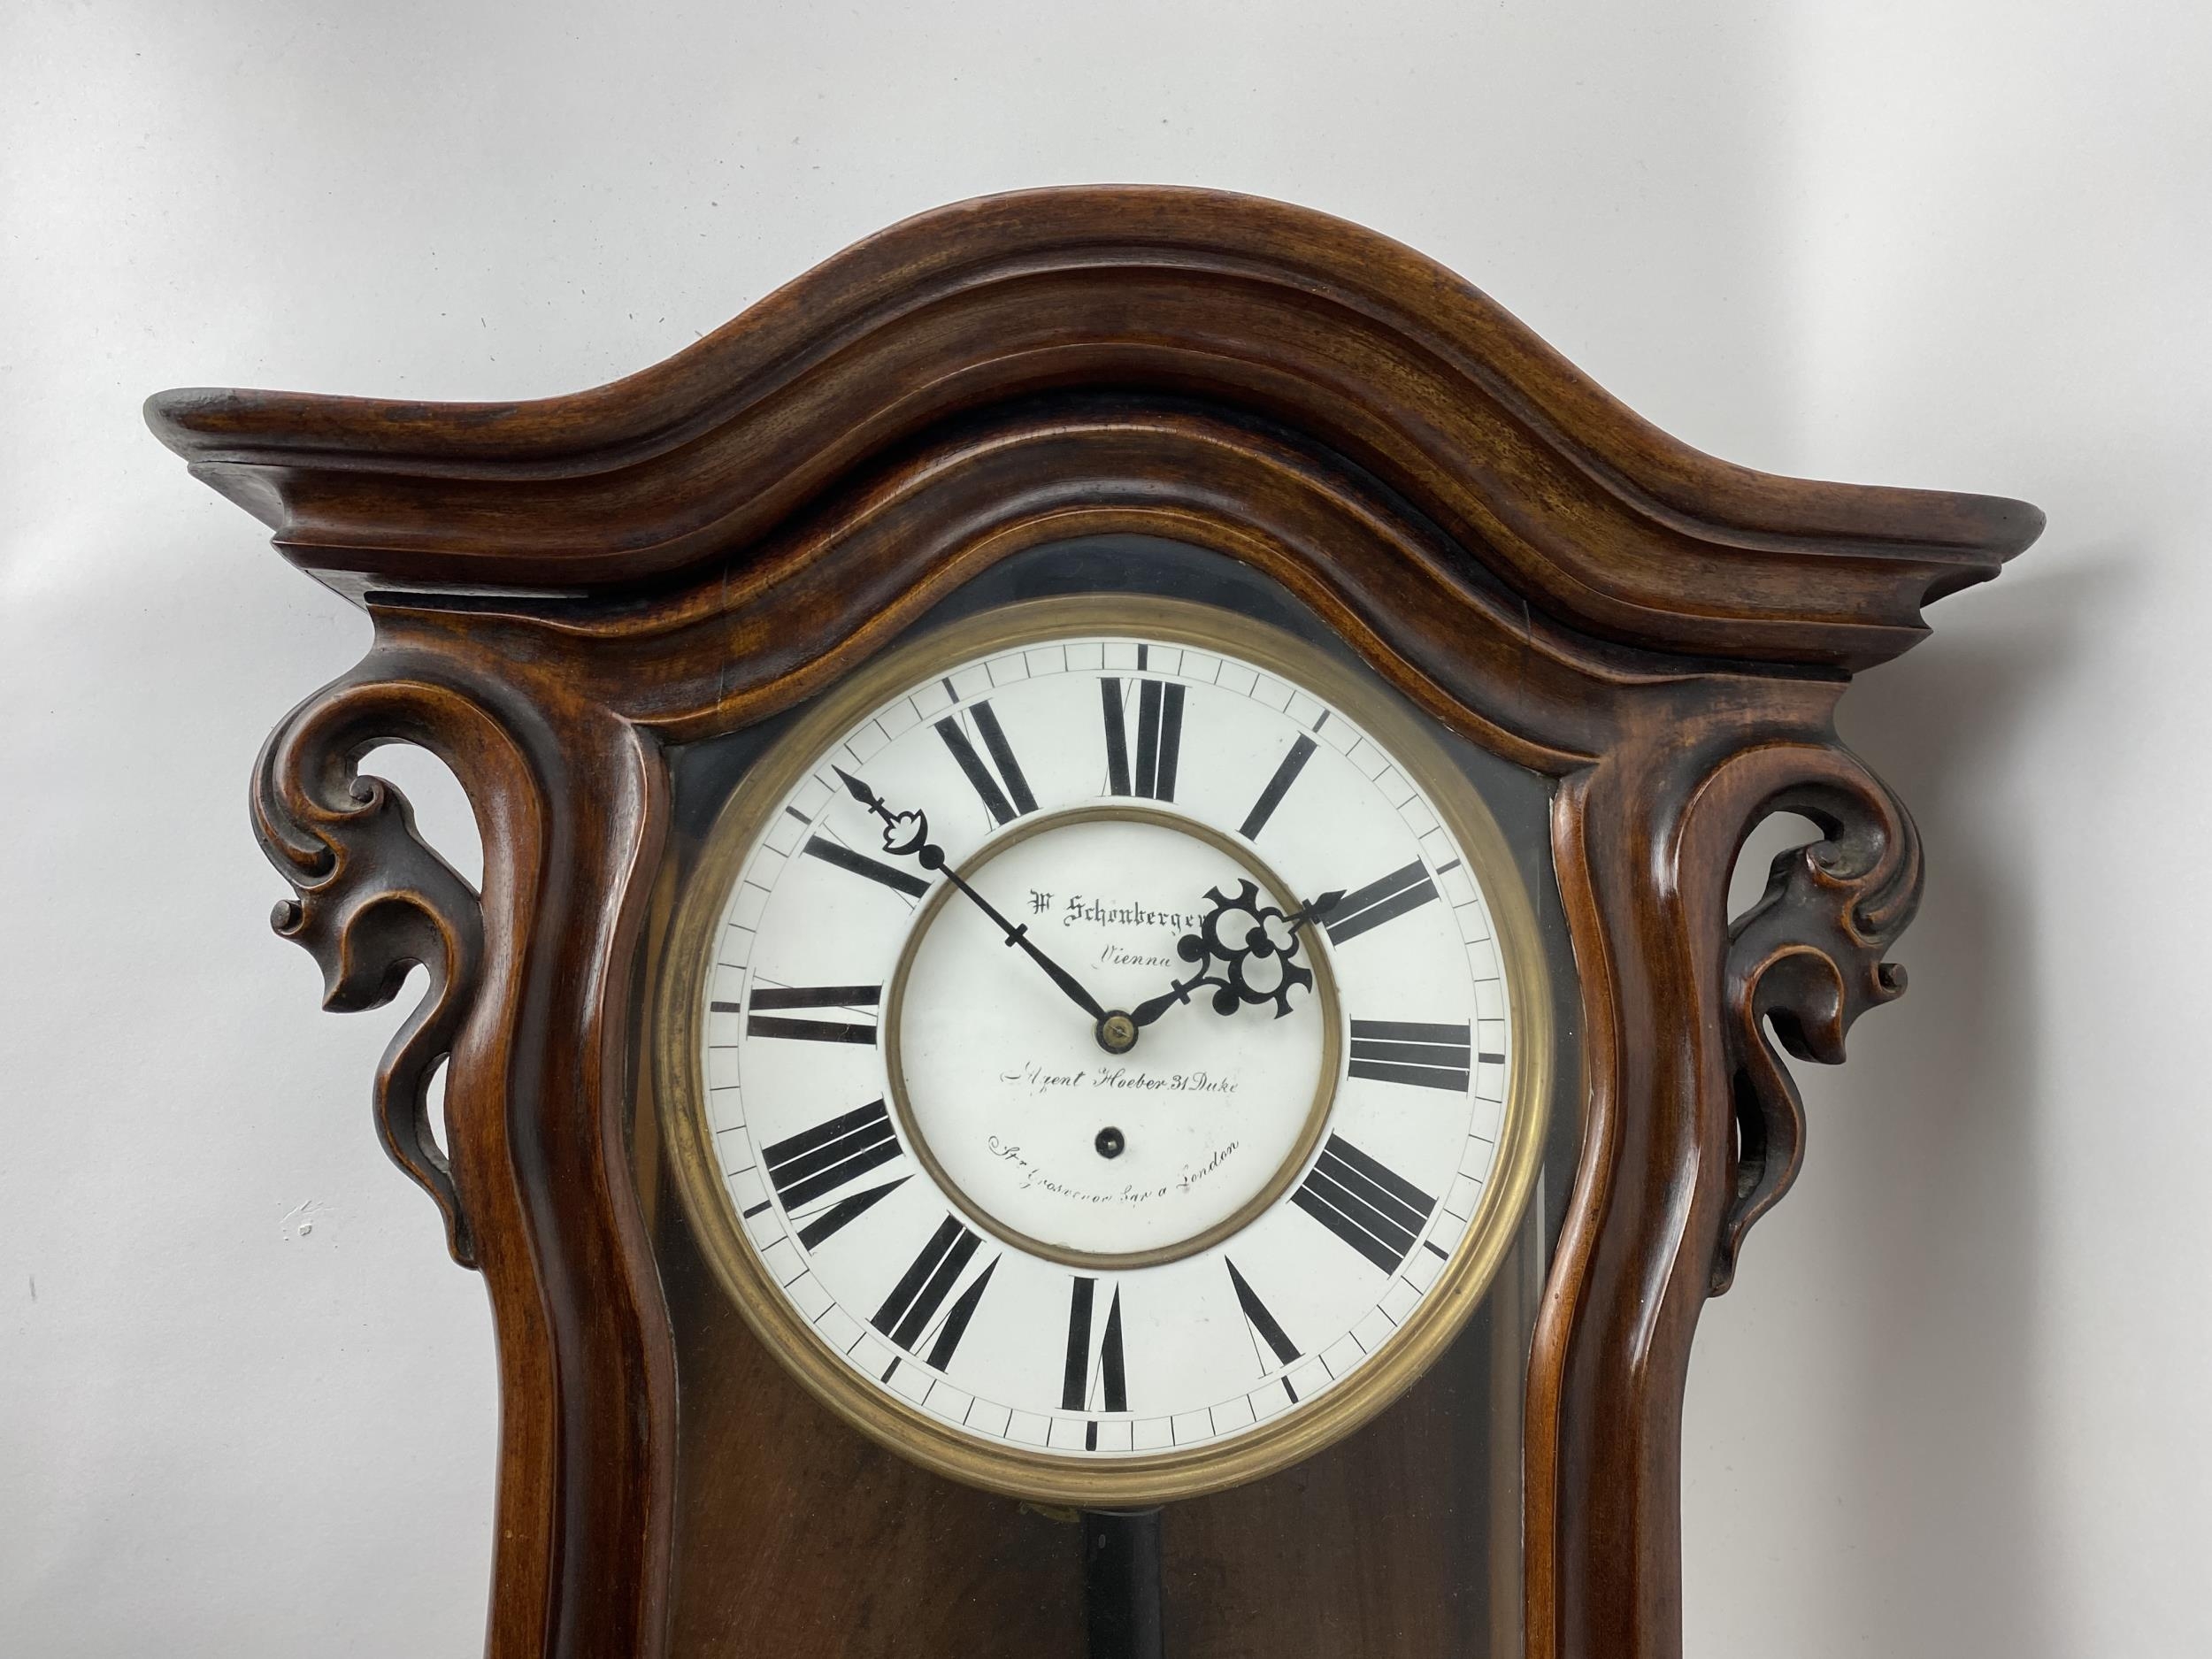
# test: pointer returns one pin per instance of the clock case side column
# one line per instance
(526, 1011)
(1693, 1128)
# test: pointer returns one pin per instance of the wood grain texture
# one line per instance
(1359, 344)
(1807, 960)
(798, 1536)
(563, 589)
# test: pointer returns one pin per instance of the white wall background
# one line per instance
(1957, 1405)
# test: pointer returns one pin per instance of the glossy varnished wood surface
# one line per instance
(1382, 1546)
(563, 588)
(1328, 329)
(795, 1535)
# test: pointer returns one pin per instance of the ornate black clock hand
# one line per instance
(1234, 987)
(907, 834)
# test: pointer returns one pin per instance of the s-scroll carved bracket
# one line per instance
(1804, 962)
(374, 900)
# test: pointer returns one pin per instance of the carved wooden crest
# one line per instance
(564, 589)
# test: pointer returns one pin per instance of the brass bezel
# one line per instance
(1324, 1084)
(1021, 1471)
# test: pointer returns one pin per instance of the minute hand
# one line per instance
(907, 833)
(1019, 935)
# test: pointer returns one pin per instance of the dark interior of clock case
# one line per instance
(795, 1532)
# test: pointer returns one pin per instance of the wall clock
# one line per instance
(1102, 1015)
(1092, 1050)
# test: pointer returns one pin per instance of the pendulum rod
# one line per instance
(1121, 1583)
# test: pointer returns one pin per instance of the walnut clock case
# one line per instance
(1101, 1015)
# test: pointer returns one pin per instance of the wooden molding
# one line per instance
(1357, 343)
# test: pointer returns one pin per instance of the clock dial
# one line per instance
(1106, 1044)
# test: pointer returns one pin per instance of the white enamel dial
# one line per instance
(973, 1099)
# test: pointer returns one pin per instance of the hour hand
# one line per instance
(1225, 1000)
(1254, 947)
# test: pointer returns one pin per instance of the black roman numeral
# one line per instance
(1376, 903)
(956, 1324)
(803, 1167)
(1159, 738)
(1113, 1379)
(844, 858)
(1076, 1378)
(1380, 1214)
(1278, 787)
(1003, 804)
(827, 1224)
(1263, 1323)
(765, 997)
(914, 1301)
(1405, 1051)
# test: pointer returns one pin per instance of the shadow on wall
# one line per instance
(1914, 1257)
(1938, 1439)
